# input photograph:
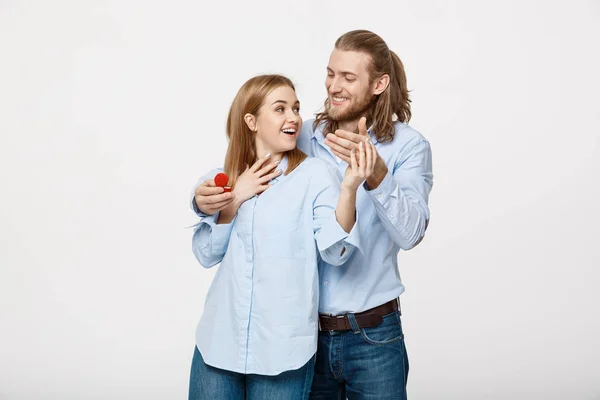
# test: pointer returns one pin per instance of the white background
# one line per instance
(110, 111)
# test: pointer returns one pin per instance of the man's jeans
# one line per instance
(365, 364)
(210, 383)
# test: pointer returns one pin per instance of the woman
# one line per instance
(258, 334)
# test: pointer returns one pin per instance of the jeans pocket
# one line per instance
(389, 331)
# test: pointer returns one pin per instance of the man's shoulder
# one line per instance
(320, 170)
(406, 142)
(305, 136)
(406, 135)
(315, 164)
(307, 127)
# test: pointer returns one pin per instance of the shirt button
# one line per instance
(378, 195)
(325, 283)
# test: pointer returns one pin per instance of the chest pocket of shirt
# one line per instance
(284, 245)
(281, 236)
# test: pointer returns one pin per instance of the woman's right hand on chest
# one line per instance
(255, 179)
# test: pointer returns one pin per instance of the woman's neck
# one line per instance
(262, 151)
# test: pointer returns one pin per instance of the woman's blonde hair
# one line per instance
(241, 151)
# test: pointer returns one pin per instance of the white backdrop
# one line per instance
(110, 111)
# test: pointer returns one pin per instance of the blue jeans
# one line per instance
(365, 364)
(210, 383)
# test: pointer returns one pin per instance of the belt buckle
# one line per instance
(319, 320)
(329, 316)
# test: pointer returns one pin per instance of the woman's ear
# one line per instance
(250, 121)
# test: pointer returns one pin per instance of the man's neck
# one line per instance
(349, 126)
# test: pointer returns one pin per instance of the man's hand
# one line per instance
(342, 143)
(210, 198)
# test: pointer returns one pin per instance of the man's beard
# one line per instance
(353, 113)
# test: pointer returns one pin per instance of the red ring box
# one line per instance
(221, 180)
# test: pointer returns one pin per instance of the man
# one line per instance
(361, 350)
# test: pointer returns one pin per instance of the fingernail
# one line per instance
(361, 145)
(268, 155)
(279, 171)
(277, 162)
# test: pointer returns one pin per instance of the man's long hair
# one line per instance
(394, 102)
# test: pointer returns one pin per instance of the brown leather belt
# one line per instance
(365, 319)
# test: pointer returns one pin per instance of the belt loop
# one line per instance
(353, 323)
(399, 309)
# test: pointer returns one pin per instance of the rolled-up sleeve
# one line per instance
(335, 245)
(210, 240)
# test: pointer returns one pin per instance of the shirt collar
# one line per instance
(283, 164)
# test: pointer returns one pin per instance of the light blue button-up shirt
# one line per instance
(392, 217)
(260, 315)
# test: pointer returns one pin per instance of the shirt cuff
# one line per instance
(332, 233)
(354, 236)
(220, 233)
(385, 189)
